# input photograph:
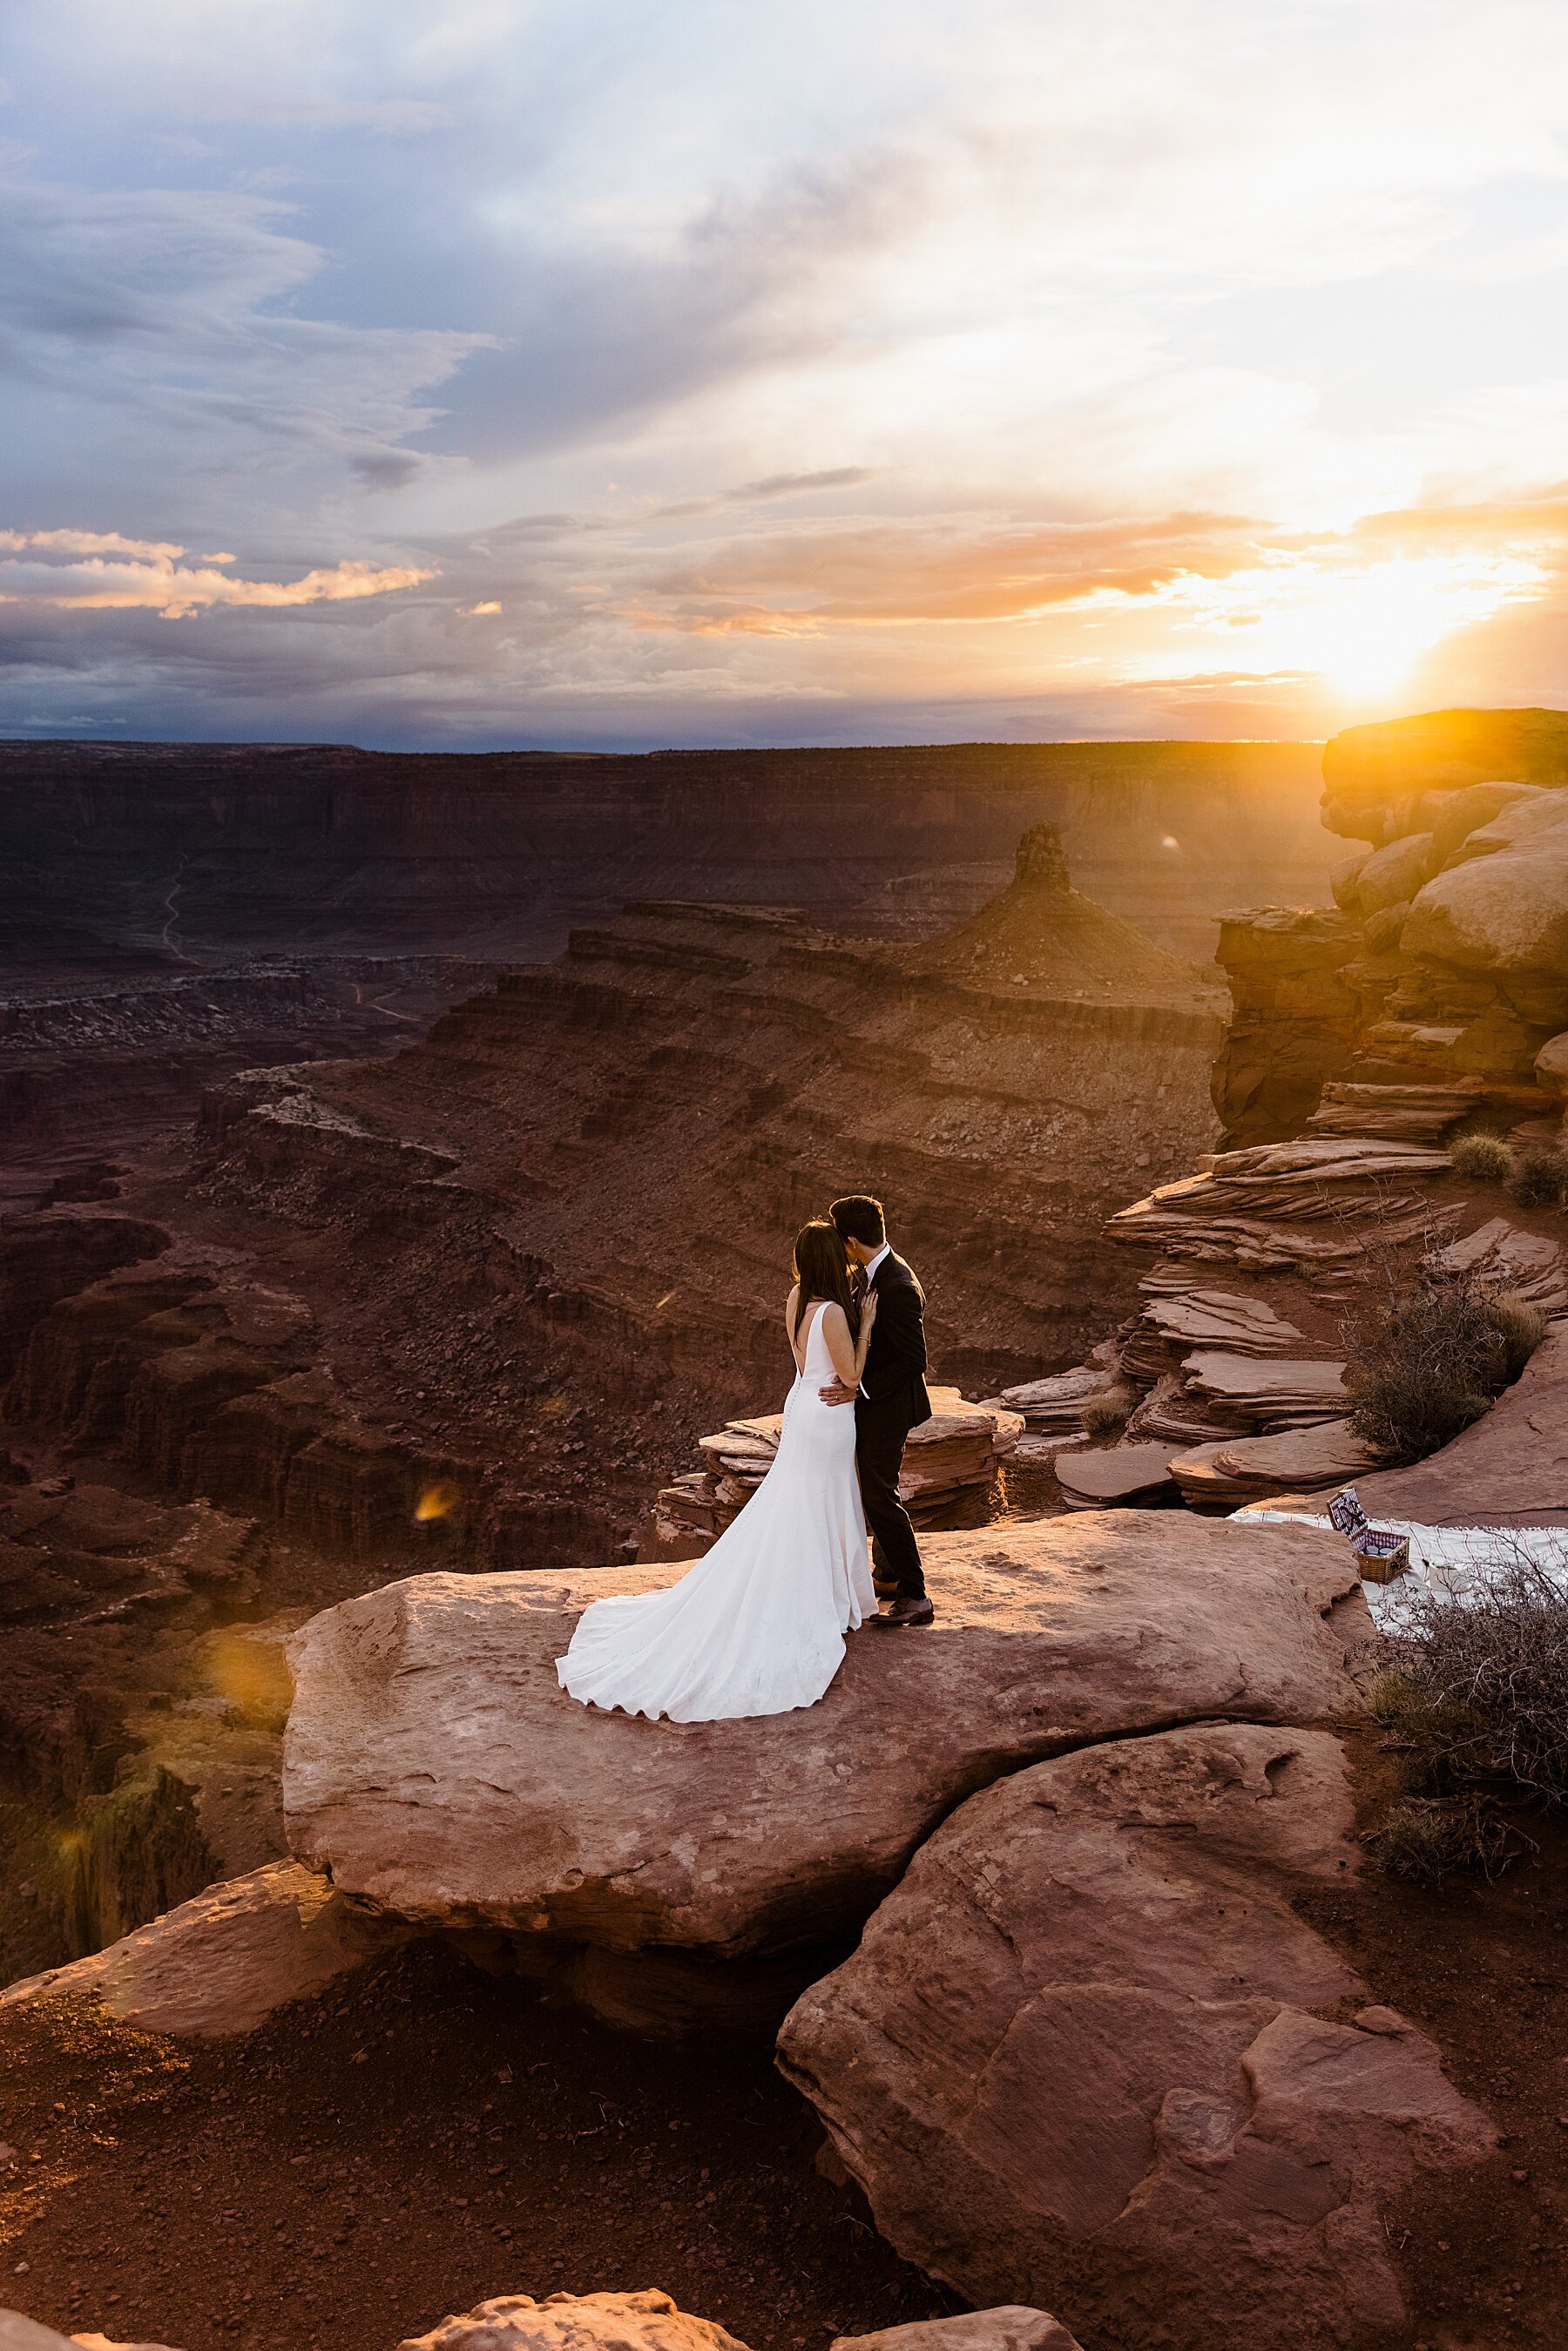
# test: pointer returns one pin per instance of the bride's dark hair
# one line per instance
(822, 1270)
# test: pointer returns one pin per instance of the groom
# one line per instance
(891, 1401)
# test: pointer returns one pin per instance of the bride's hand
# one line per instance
(868, 1310)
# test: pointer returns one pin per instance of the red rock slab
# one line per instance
(19, 2333)
(1013, 2327)
(222, 1961)
(1080, 2059)
(436, 1771)
(1118, 1474)
(648, 2321)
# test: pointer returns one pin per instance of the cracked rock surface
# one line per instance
(1087, 2054)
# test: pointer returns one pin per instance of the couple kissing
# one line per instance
(758, 1624)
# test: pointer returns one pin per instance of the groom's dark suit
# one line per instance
(891, 1401)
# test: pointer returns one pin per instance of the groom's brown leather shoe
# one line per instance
(907, 1611)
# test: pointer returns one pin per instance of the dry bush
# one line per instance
(1429, 1358)
(1104, 1415)
(1540, 1179)
(1521, 1325)
(1425, 1837)
(1477, 1692)
(1480, 1158)
(1475, 1705)
(1423, 1367)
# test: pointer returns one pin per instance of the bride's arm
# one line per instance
(849, 1359)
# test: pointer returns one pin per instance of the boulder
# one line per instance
(1454, 815)
(1510, 1468)
(1504, 905)
(435, 1768)
(1395, 762)
(222, 1961)
(19, 2333)
(1013, 2327)
(1551, 1064)
(1392, 875)
(648, 2321)
(1081, 2048)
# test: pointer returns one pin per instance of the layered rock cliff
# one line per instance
(129, 847)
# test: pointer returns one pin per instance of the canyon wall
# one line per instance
(143, 849)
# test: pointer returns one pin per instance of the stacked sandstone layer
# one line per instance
(954, 1454)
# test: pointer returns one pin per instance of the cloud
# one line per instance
(861, 370)
(905, 574)
(149, 576)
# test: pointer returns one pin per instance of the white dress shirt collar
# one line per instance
(872, 1263)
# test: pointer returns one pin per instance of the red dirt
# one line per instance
(360, 2169)
(426, 2137)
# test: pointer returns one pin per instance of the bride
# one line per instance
(757, 1625)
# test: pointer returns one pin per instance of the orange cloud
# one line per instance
(109, 573)
(898, 574)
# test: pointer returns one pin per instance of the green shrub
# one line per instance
(1105, 1414)
(1481, 1158)
(1540, 1179)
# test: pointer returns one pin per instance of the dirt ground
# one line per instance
(1484, 1969)
(429, 2135)
(420, 2140)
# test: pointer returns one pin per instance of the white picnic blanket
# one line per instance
(1450, 1563)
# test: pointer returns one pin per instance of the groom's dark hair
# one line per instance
(860, 1218)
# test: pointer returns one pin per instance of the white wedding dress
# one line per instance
(757, 1625)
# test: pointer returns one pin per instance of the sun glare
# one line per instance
(1361, 631)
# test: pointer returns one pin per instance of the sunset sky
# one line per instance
(645, 372)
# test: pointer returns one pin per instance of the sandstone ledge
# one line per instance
(226, 1958)
(436, 1771)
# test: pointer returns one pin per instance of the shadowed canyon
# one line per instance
(403, 1156)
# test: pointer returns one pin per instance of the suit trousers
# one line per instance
(880, 1429)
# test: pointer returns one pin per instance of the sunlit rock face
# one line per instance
(1375, 776)
(223, 1961)
(1446, 962)
(436, 1771)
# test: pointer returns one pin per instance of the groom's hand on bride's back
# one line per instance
(837, 1394)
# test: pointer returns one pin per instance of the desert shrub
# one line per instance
(1480, 1158)
(1424, 1838)
(1431, 1358)
(1540, 1179)
(1477, 1691)
(1425, 1365)
(1521, 1325)
(1105, 1414)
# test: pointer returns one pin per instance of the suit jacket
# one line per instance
(893, 1381)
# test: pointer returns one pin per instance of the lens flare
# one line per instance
(437, 1501)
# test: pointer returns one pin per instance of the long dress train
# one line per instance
(757, 1625)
